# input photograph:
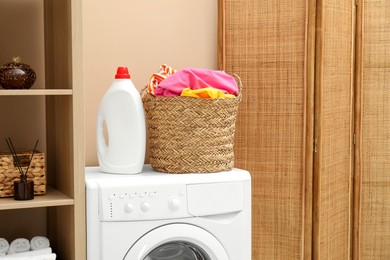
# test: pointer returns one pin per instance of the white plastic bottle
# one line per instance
(122, 110)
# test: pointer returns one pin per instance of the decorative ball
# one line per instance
(17, 75)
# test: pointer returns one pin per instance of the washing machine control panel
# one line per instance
(143, 203)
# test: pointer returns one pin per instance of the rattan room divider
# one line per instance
(372, 167)
(317, 146)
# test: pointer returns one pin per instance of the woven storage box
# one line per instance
(9, 172)
(191, 135)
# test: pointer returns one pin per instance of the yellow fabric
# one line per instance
(209, 92)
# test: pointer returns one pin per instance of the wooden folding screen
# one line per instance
(372, 186)
(333, 159)
(264, 42)
(295, 59)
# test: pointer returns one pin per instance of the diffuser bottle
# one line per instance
(122, 111)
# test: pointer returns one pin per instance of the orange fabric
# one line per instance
(156, 78)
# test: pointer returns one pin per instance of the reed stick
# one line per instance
(14, 155)
(29, 163)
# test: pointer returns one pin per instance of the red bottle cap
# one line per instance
(122, 73)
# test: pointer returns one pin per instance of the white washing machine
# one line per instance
(155, 216)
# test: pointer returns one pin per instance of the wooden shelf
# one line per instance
(35, 92)
(52, 198)
(59, 116)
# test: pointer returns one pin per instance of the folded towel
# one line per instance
(19, 245)
(37, 257)
(45, 251)
(39, 242)
(4, 246)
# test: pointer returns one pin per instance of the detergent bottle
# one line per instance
(122, 112)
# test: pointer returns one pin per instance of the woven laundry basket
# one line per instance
(9, 172)
(191, 135)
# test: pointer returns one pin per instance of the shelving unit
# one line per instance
(61, 98)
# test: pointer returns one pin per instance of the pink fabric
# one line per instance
(196, 79)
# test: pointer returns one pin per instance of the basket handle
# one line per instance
(144, 89)
(144, 92)
(238, 80)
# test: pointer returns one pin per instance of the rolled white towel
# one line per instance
(39, 242)
(37, 257)
(19, 245)
(4, 246)
(45, 251)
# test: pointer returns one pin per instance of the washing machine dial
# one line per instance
(128, 207)
(174, 204)
(145, 206)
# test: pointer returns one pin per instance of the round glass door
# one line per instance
(177, 242)
(177, 250)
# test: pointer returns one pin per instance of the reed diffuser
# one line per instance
(23, 189)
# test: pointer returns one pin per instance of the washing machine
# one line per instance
(155, 216)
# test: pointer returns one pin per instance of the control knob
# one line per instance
(128, 207)
(145, 206)
(174, 204)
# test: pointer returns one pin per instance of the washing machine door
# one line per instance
(177, 242)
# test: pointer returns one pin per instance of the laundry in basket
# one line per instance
(192, 135)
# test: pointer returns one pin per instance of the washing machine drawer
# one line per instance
(215, 198)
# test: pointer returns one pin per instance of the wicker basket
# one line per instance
(9, 172)
(191, 135)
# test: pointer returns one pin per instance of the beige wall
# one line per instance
(142, 35)
(138, 34)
